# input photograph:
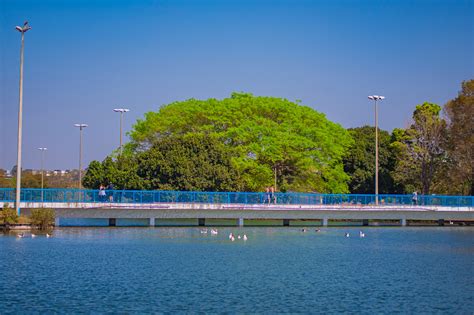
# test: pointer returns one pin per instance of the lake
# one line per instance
(171, 269)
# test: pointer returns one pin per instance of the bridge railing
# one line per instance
(158, 196)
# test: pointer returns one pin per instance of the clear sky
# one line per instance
(84, 57)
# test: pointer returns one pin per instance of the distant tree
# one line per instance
(460, 140)
(359, 162)
(68, 180)
(28, 180)
(7, 182)
(420, 150)
(266, 137)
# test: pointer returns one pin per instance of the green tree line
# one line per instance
(248, 143)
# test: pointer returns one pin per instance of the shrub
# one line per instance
(42, 218)
(8, 215)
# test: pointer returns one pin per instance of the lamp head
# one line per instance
(376, 97)
(23, 29)
(121, 110)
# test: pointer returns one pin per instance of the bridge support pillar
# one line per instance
(240, 222)
(325, 221)
(441, 222)
(152, 222)
(286, 222)
(112, 222)
(202, 222)
(403, 222)
(365, 222)
(56, 222)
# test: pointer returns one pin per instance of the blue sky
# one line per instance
(83, 58)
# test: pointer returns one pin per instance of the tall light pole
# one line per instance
(42, 170)
(22, 30)
(376, 98)
(121, 111)
(80, 126)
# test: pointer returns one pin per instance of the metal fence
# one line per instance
(157, 196)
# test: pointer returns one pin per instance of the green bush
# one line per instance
(42, 218)
(8, 215)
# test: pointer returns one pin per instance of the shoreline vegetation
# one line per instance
(40, 219)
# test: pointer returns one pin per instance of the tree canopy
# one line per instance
(460, 140)
(359, 162)
(420, 148)
(254, 141)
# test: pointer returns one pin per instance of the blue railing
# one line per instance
(157, 196)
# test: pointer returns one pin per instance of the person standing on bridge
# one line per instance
(266, 197)
(414, 198)
(102, 193)
(273, 197)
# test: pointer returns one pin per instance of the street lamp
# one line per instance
(376, 98)
(22, 30)
(121, 111)
(80, 126)
(42, 170)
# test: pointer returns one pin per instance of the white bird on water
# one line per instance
(19, 235)
(361, 234)
(347, 234)
(214, 232)
(238, 236)
(204, 231)
(33, 235)
(48, 235)
(245, 237)
(232, 238)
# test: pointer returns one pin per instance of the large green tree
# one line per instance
(359, 162)
(267, 138)
(460, 140)
(420, 149)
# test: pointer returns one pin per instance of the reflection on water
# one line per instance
(144, 270)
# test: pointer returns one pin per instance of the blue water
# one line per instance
(148, 270)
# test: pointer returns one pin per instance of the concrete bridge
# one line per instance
(156, 207)
(202, 214)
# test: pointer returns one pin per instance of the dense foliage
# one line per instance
(359, 163)
(42, 218)
(420, 148)
(238, 143)
(8, 215)
(460, 141)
